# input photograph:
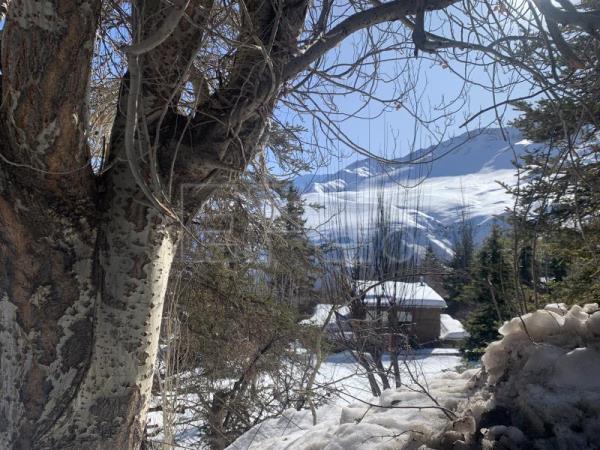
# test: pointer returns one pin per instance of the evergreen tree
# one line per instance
(433, 271)
(526, 265)
(561, 201)
(294, 261)
(460, 266)
(491, 290)
(294, 212)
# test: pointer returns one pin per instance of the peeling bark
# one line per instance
(80, 317)
(47, 295)
(44, 98)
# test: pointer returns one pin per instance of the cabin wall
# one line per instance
(426, 324)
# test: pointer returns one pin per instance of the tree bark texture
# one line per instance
(84, 258)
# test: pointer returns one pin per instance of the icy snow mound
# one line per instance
(545, 372)
(400, 418)
(451, 329)
(321, 313)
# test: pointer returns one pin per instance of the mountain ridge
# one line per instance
(424, 192)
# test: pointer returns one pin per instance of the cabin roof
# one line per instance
(418, 294)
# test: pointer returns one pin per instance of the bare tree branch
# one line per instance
(387, 12)
(162, 33)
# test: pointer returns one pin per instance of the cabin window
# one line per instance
(372, 315)
(405, 316)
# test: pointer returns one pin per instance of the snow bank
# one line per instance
(559, 308)
(398, 419)
(545, 374)
(451, 329)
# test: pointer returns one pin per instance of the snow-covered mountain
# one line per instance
(424, 191)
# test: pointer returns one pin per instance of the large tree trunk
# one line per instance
(85, 260)
(81, 304)
(47, 301)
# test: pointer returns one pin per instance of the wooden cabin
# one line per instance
(416, 305)
(417, 308)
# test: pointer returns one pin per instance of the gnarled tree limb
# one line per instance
(386, 12)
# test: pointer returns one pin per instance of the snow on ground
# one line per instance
(347, 382)
(539, 389)
(187, 424)
(395, 419)
(342, 382)
(354, 419)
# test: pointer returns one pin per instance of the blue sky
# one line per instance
(393, 132)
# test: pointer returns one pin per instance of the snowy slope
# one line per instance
(425, 191)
